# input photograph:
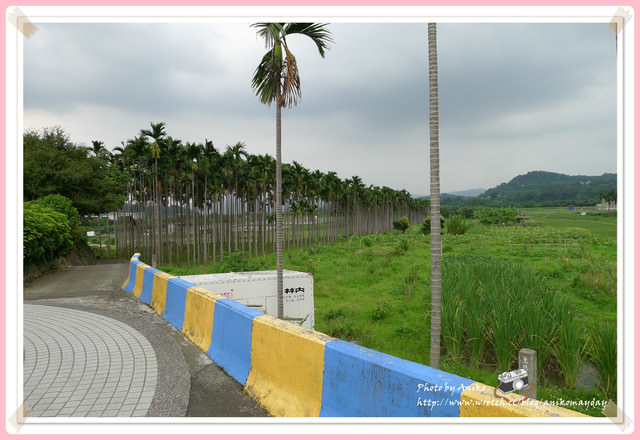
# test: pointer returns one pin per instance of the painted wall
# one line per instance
(297, 372)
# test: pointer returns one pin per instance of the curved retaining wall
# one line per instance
(296, 372)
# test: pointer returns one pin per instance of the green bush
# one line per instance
(401, 225)
(496, 216)
(457, 225)
(449, 211)
(47, 234)
(402, 245)
(380, 311)
(426, 225)
(64, 206)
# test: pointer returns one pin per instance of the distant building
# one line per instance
(607, 206)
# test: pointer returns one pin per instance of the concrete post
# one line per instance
(528, 360)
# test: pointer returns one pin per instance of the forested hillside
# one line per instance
(542, 188)
(551, 189)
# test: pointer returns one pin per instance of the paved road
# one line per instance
(92, 350)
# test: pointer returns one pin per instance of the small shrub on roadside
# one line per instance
(64, 206)
(46, 235)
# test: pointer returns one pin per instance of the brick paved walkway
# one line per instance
(82, 364)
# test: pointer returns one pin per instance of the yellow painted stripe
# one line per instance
(137, 289)
(478, 400)
(159, 292)
(287, 363)
(198, 316)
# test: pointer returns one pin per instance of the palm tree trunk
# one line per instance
(204, 205)
(279, 264)
(158, 220)
(436, 244)
(193, 215)
(264, 222)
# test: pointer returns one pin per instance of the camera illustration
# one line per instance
(511, 381)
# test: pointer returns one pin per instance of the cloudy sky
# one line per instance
(514, 97)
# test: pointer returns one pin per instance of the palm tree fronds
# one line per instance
(271, 32)
(263, 79)
(320, 36)
(291, 91)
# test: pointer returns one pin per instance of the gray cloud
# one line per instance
(513, 97)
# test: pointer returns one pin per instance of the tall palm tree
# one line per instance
(157, 134)
(277, 79)
(98, 149)
(210, 160)
(194, 154)
(436, 244)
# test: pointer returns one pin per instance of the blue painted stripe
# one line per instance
(231, 338)
(359, 382)
(147, 284)
(176, 301)
(132, 276)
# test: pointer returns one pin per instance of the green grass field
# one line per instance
(593, 220)
(375, 291)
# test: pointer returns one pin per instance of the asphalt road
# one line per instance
(188, 383)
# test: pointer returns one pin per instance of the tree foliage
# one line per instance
(457, 225)
(196, 202)
(214, 201)
(54, 165)
(426, 225)
(401, 225)
(541, 188)
(449, 211)
(64, 206)
(47, 234)
(496, 216)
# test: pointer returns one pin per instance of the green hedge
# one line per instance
(496, 216)
(64, 206)
(47, 234)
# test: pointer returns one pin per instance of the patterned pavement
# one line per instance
(81, 364)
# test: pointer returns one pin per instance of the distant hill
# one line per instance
(546, 188)
(454, 194)
(468, 193)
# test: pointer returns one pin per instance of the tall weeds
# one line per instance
(570, 347)
(453, 329)
(603, 351)
(493, 308)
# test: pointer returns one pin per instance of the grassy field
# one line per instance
(550, 286)
(594, 221)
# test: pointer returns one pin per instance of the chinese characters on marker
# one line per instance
(293, 294)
